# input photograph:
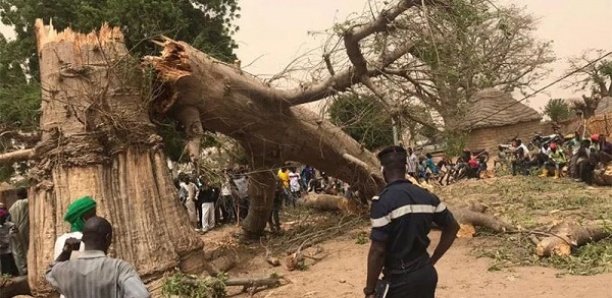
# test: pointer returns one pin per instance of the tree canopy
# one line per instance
(557, 109)
(594, 79)
(438, 54)
(363, 118)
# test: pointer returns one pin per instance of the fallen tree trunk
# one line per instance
(568, 235)
(325, 202)
(467, 216)
(204, 91)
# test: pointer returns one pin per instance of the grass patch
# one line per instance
(188, 286)
(537, 203)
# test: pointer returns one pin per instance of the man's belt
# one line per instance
(406, 266)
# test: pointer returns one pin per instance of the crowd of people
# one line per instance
(579, 157)
(226, 201)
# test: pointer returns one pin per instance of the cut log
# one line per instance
(325, 202)
(478, 219)
(566, 236)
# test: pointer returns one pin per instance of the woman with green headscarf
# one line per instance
(77, 213)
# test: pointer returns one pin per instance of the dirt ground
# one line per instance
(342, 274)
(525, 202)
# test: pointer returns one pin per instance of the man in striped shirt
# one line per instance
(402, 216)
(92, 274)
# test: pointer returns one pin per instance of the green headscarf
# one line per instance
(74, 214)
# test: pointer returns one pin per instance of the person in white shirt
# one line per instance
(190, 202)
(412, 164)
(294, 183)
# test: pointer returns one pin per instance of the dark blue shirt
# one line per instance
(402, 216)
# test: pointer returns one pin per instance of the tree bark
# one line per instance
(242, 107)
(568, 235)
(94, 107)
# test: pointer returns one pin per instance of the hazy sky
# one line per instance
(274, 32)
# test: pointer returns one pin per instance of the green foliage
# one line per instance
(205, 24)
(455, 143)
(557, 109)
(362, 238)
(364, 119)
(187, 286)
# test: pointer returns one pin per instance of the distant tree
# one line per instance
(594, 79)
(363, 118)
(441, 54)
(557, 109)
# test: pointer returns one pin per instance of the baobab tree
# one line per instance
(98, 137)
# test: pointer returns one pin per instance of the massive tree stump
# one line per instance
(95, 111)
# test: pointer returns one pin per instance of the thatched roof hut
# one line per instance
(494, 108)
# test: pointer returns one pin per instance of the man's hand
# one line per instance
(72, 244)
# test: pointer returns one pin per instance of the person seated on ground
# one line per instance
(93, 274)
(556, 160)
(274, 220)
(77, 213)
(573, 146)
(541, 158)
(521, 157)
(8, 230)
(431, 166)
(585, 163)
(602, 148)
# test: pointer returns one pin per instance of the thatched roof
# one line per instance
(494, 108)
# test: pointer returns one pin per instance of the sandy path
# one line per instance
(342, 274)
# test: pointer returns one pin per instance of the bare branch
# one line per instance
(15, 156)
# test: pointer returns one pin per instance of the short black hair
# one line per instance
(393, 157)
(96, 230)
(22, 193)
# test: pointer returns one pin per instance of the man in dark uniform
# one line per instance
(402, 216)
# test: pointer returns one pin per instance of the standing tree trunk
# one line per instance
(95, 112)
(231, 102)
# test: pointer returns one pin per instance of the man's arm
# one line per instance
(376, 260)
(70, 245)
(130, 282)
(449, 233)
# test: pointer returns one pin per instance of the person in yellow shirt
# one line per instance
(283, 178)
